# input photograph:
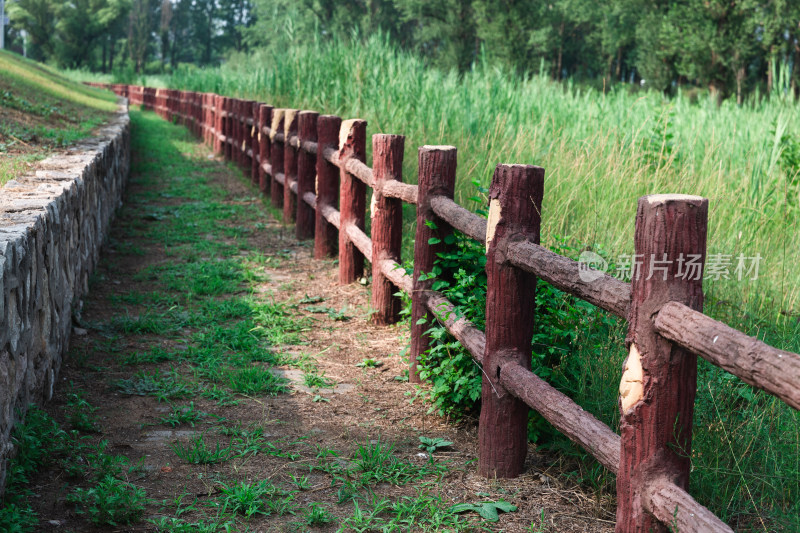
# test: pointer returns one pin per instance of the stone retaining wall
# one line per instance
(52, 226)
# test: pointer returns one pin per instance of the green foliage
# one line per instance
(431, 444)
(198, 452)
(111, 502)
(249, 498)
(455, 378)
(80, 413)
(186, 414)
(487, 510)
(317, 515)
(256, 380)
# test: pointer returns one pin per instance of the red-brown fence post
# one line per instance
(514, 214)
(239, 155)
(254, 144)
(387, 224)
(437, 177)
(289, 165)
(219, 108)
(659, 381)
(325, 236)
(352, 198)
(248, 119)
(276, 157)
(264, 118)
(306, 171)
(228, 128)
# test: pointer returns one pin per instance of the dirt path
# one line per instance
(201, 308)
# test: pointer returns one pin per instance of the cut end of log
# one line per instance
(277, 117)
(373, 206)
(344, 131)
(631, 388)
(495, 212)
(288, 118)
(436, 148)
(654, 199)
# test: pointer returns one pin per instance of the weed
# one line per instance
(94, 462)
(369, 363)
(316, 380)
(317, 515)
(256, 380)
(247, 498)
(301, 482)
(111, 502)
(162, 385)
(183, 415)
(80, 413)
(198, 452)
(431, 444)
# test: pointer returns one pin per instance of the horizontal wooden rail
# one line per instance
(605, 291)
(675, 507)
(360, 239)
(402, 191)
(360, 170)
(331, 214)
(773, 370)
(397, 275)
(311, 199)
(331, 155)
(463, 220)
(473, 339)
(565, 415)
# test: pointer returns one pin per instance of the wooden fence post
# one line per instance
(276, 157)
(289, 165)
(325, 235)
(387, 224)
(437, 177)
(352, 198)
(306, 171)
(264, 118)
(255, 146)
(238, 154)
(514, 214)
(247, 139)
(660, 379)
(219, 108)
(228, 128)
(210, 119)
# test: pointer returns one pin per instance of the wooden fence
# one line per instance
(308, 164)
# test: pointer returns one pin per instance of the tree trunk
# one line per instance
(560, 50)
(103, 68)
(739, 80)
(770, 69)
(111, 54)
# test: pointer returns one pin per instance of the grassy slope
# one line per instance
(41, 111)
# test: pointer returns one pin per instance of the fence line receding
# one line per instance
(313, 168)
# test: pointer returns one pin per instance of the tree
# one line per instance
(36, 18)
(443, 30)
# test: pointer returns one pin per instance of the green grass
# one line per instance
(41, 110)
